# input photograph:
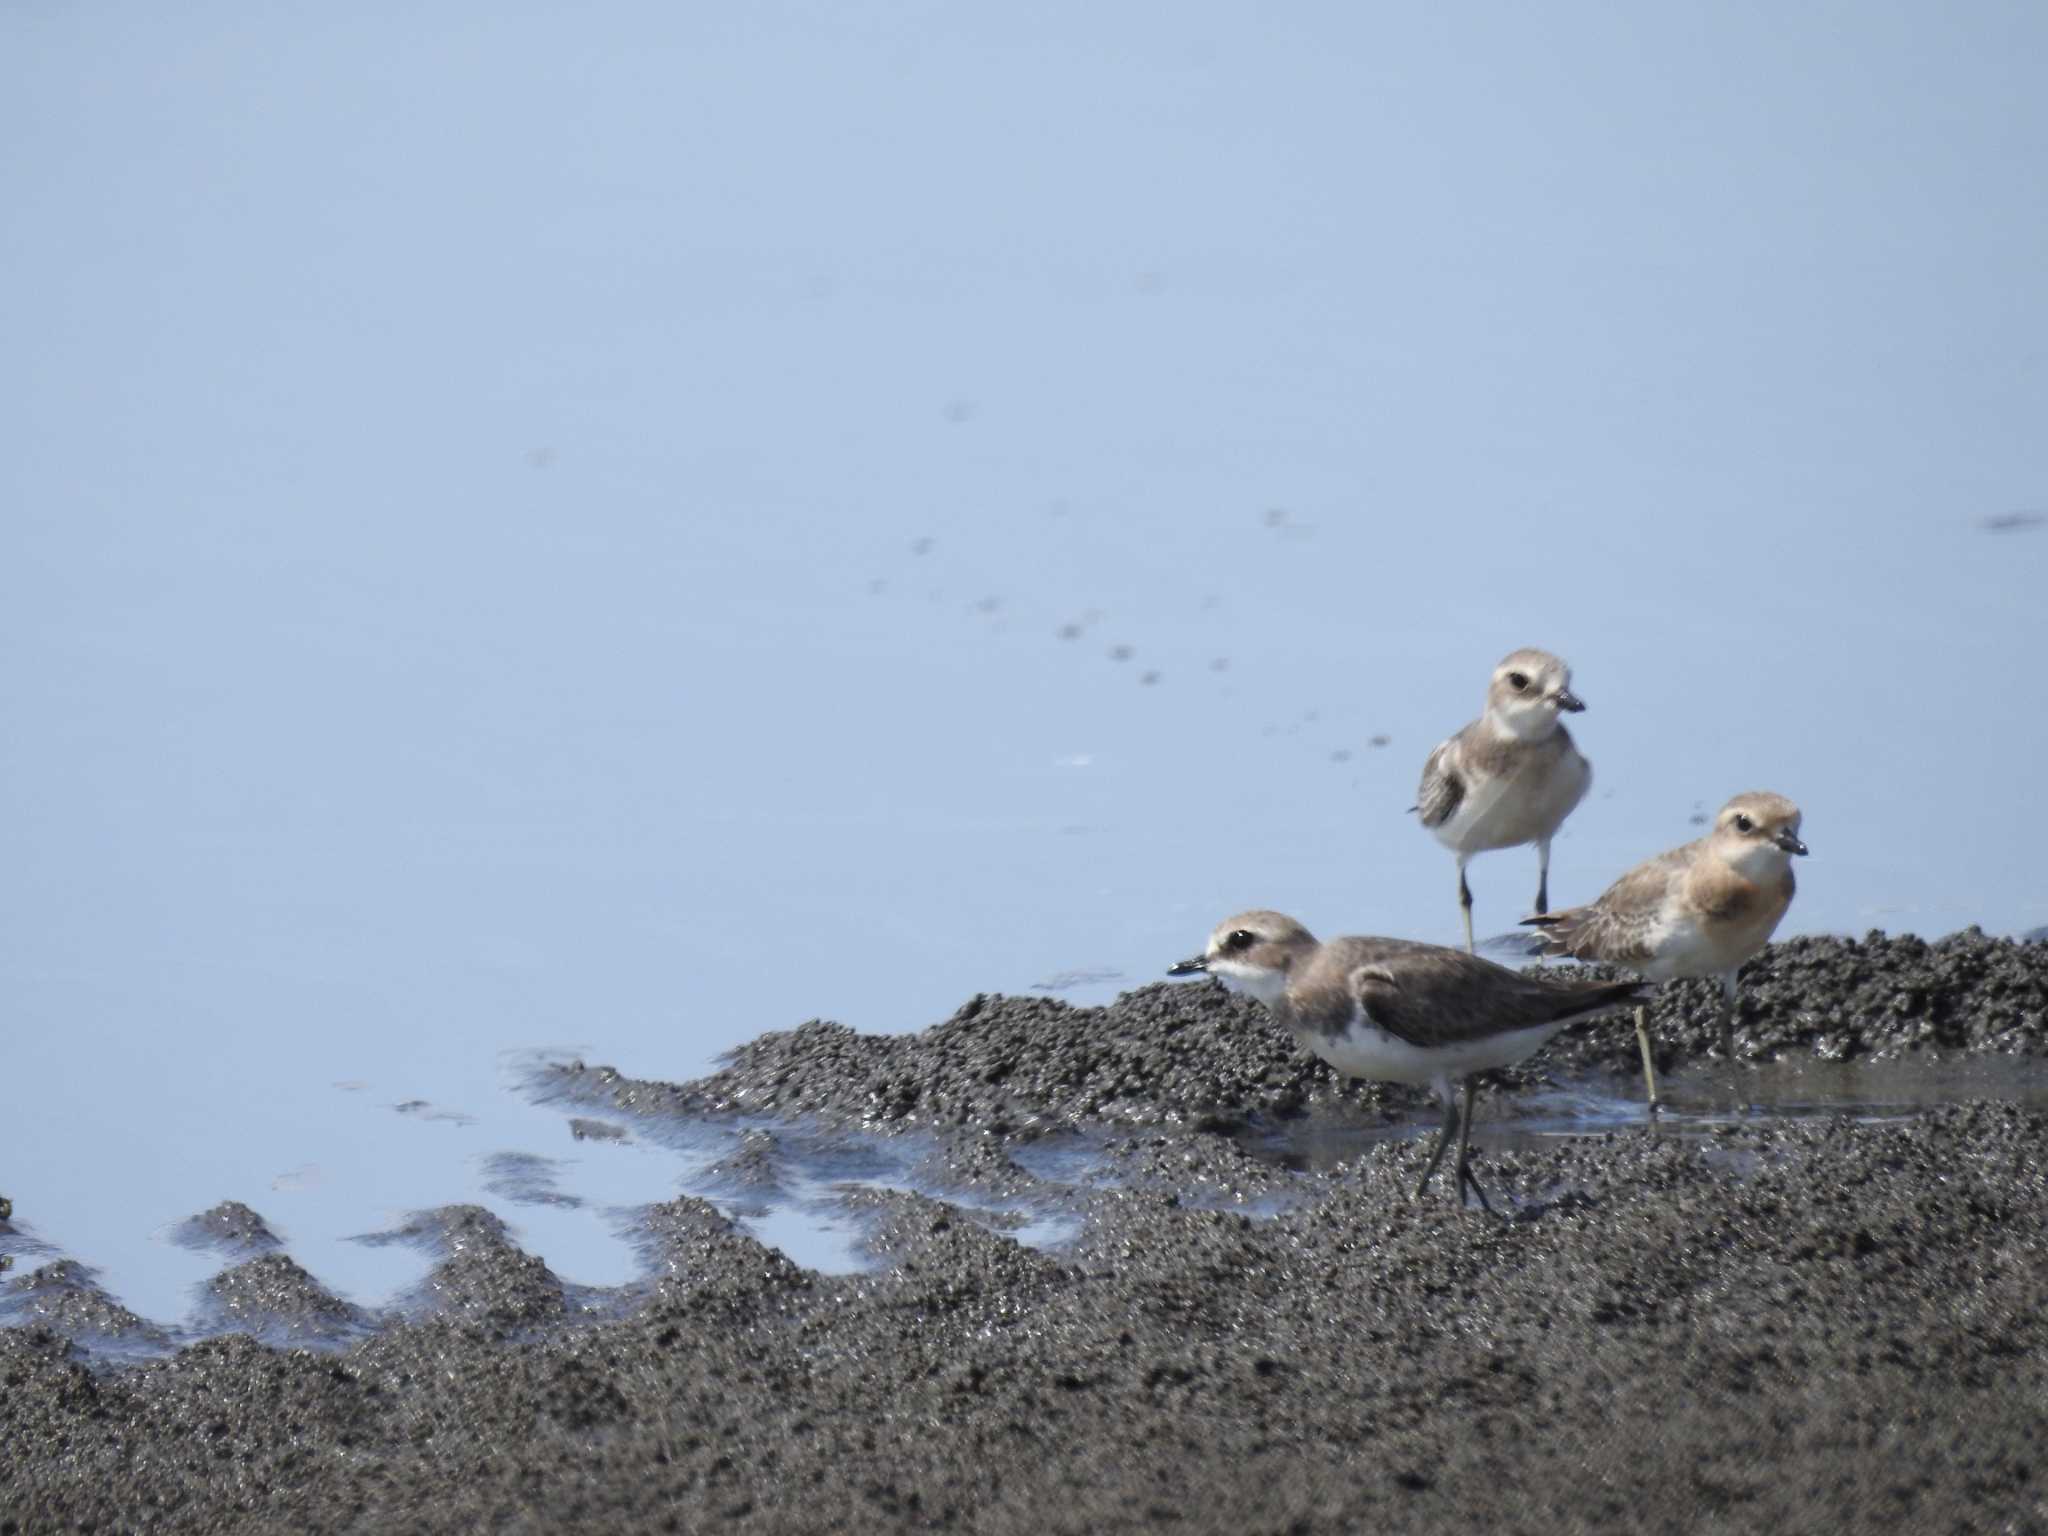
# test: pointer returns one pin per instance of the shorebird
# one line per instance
(1700, 910)
(1511, 776)
(1399, 1011)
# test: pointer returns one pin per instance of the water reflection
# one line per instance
(1697, 1104)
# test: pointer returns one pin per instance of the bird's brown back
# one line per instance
(1429, 995)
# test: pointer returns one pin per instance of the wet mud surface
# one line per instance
(1805, 1324)
(1176, 1054)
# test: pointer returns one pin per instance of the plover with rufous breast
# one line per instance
(1398, 1011)
(1511, 776)
(1701, 910)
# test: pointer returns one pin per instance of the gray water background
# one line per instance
(615, 529)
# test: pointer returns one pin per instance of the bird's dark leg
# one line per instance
(1466, 1178)
(1649, 1063)
(1443, 1139)
(1728, 1016)
(1543, 878)
(1465, 906)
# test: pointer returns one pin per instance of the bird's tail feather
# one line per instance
(1569, 1004)
(1601, 995)
(1557, 933)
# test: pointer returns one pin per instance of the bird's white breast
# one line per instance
(1504, 810)
(1685, 942)
(1366, 1050)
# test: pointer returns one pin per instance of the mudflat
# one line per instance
(1822, 1323)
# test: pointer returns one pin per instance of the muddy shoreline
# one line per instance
(1811, 1324)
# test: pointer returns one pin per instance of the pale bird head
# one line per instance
(1528, 690)
(1758, 831)
(1253, 952)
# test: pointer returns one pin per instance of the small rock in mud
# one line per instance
(929, 1249)
(496, 1286)
(702, 1259)
(65, 1297)
(442, 1230)
(969, 1162)
(274, 1299)
(230, 1227)
(757, 1167)
(482, 1279)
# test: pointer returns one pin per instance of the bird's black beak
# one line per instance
(1786, 839)
(1569, 702)
(1194, 967)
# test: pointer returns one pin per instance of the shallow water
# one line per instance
(621, 578)
(1695, 1104)
(580, 1204)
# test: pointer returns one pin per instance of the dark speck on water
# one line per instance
(421, 1109)
(527, 1179)
(1061, 981)
(2013, 522)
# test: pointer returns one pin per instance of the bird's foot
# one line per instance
(1466, 1180)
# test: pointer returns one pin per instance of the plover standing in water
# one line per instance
(1399, 1011)
(1511, 776)
(1700, 910)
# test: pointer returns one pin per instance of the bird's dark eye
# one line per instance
(1744, 824)
(1518, 681)
(1244, 938)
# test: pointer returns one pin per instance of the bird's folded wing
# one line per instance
(1442, 788)
(1430, 996)
(1621, 926)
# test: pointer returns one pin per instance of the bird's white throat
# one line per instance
(1268, 986)
(1757, 861)
(1524, 720)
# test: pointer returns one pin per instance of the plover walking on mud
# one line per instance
(1700, 910)
(1511, 776)
(1399, 1011)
